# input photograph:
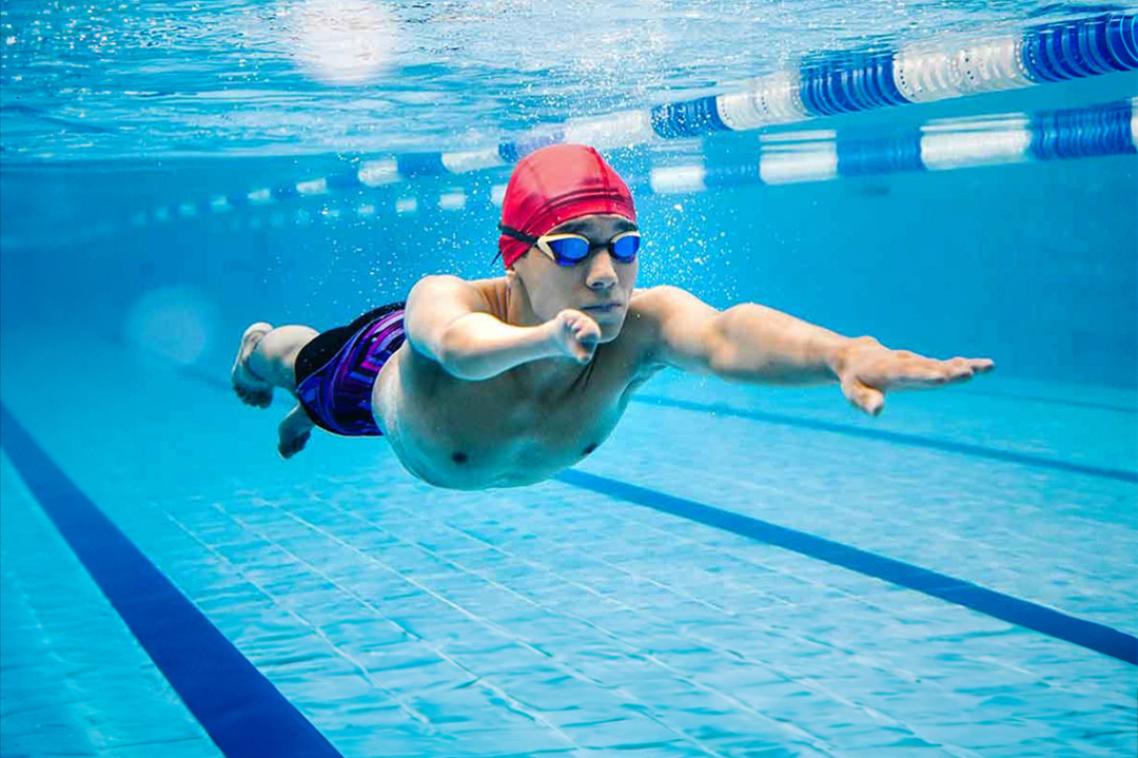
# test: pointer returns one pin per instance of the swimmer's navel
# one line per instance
(459, 457)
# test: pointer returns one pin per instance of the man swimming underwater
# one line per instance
(503, 382)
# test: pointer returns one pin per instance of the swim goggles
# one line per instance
(571, 249)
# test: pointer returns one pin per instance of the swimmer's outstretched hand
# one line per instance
(575, 335)
(867, 369)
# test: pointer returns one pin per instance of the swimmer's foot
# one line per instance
(252, 389)
(287, 447)
(293, 432)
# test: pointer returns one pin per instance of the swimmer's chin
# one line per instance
(610, 330)
(608, 334)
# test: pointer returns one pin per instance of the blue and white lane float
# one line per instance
(802, 156)
(1109, 129)
(824, 85)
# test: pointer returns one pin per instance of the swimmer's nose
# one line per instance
(601, 273)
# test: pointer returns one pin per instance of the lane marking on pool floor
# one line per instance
(1053, 623)
(897, 438)
(238, 706)
(1044, 400)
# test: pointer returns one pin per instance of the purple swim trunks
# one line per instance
(335, 372)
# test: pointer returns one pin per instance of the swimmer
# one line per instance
(503, 382)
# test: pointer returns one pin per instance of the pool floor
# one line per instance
(578, 616)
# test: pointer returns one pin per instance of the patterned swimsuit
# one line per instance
(337, 394)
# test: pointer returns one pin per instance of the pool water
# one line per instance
(739, 570)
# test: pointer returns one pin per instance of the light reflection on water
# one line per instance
(97, 80)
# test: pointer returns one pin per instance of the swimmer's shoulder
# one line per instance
(476, 295)
(642, 326)
(648, 309)
(650, 306)
(438, 300)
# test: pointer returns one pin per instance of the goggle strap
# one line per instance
(520, 236)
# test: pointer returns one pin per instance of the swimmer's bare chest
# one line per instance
(495, 433)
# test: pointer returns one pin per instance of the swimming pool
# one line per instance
(739, 570)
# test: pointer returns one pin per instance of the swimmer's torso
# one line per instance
(499, 432)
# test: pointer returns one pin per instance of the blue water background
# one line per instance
(405, 620)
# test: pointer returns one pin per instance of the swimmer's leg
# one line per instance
(293, 433)
(266, 359)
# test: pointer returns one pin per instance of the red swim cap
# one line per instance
(557, 184)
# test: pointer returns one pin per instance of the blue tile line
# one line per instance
(901, 438)
(1056, 401)
(1088, 634)
(239, 708)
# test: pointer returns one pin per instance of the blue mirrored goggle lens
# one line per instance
(570, 248)
(625, 248)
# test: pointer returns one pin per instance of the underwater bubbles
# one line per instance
(176, 322)
(341, 41)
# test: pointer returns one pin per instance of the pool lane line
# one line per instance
(240, 709)
(1130, 410)
(1052, 623)
(898, 438)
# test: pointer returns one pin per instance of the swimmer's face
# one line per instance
(599, 280)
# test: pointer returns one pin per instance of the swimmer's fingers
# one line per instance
(587, 332)
(916, 372)
(863, 396)
(584, 352)
(901, 369)
(874, 369)
(578, 335)
(586, 336)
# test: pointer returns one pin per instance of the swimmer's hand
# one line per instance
(574, 334)
(867, 369)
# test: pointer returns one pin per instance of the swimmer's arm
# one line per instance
(749, 342)
(446, 321)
